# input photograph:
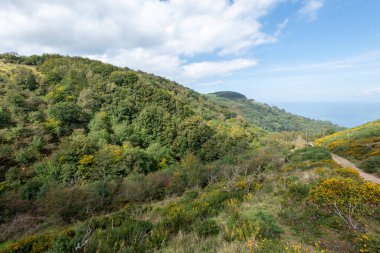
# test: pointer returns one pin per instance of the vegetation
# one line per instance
(272, 118)
(96, 158)
(360, 144)
(230, 95)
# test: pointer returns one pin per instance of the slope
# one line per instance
(360, 144)
(97, 158)
(272, 118)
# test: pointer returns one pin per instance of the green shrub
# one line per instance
(177, 218)
(206, 228)
(32, 188)
(313, 154)
(371, 165)
(66, 241)
(268, 225)
(131, 236)
(25, 78)
(5, 118)
(298, 191)
(240, 230)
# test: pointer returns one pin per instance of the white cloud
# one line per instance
(310, 8)
(368, 61)
(212, 83)
(152, 35)
(374, 91)
(207, 69)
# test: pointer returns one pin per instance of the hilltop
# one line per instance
(230, 95)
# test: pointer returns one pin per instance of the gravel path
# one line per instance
(347, 164)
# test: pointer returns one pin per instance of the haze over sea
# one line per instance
(347, 114)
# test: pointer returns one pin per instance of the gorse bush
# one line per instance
(348, 199)
(32, 244)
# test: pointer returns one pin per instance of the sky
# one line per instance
(270, 50)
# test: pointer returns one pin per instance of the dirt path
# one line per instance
(347, 164)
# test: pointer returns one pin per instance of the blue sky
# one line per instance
(270, 50)
(332, 56)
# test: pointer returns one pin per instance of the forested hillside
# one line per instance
(272, 118)
(360, 144)
(97, 158)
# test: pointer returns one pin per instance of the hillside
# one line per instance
(272, 118)
(97, 158)
(360, 144)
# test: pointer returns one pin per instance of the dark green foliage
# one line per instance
(131, 236)
(5, 118)
(65, 112)
(206, 228)
(67, 241)
(25, 78)
(299, 191)
(123, 77)
(268, 225)
(371, 165)
(313, 154)
(230, 95)
(32, 188)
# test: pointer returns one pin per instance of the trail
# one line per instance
(347, 164)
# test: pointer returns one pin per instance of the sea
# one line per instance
(346, 114)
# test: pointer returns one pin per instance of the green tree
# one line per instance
(123, 77)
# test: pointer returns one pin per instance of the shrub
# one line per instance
(298, 191)
(139, 161)
(313, 154)
(151, 187)
(70, 204)
(66, 241)
(32, 244)
(371, 165)
(192, 170)
(348, 172)
(5, 118)
(131, 236)
(25, 78)
(349, 199)
(240, 230)
(206, 228)
(268, 225)
(32, 188)
(177, 218)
